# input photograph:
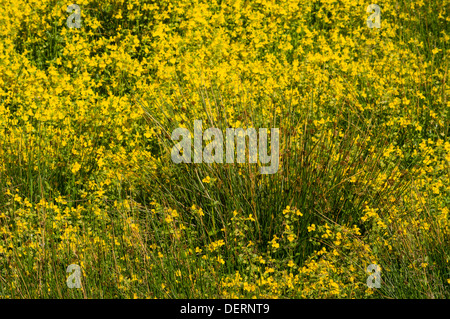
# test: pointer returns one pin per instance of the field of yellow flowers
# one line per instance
(86, 176)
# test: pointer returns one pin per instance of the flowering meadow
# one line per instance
(87, 179)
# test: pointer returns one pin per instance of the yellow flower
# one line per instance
(168, 219)
(207, 179)
(274, 242)
(76, 167)
(269, 270)
(436, 50)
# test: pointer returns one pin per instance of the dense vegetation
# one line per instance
(86, 174)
